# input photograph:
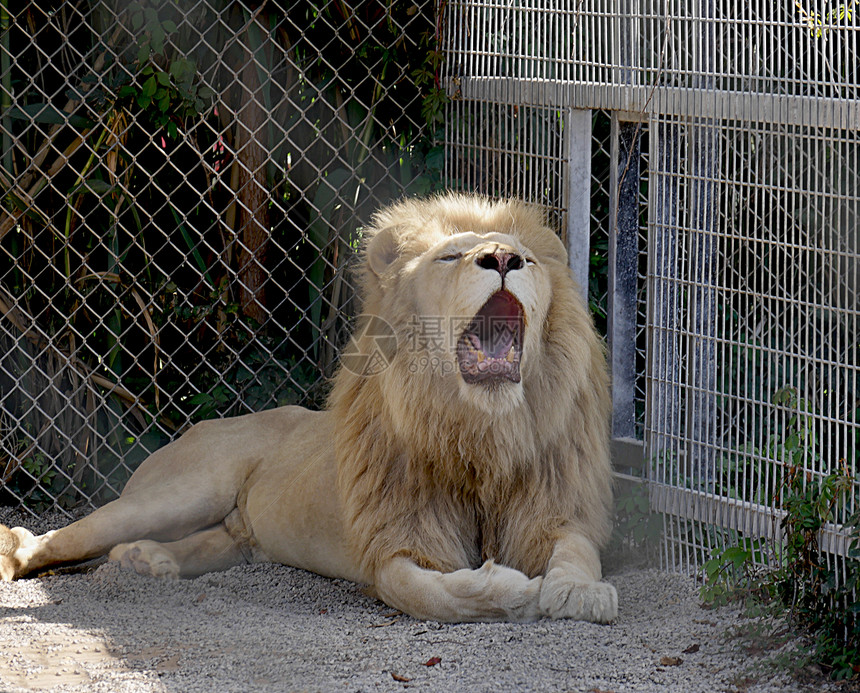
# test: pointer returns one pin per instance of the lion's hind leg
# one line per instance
(491, 593)
(206, 551)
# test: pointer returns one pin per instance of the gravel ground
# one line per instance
(273, 628)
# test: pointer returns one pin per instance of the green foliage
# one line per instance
(426, 78)
(168, 95)
(819, 597)
(820, 24)
(728, 572)
(256, 381)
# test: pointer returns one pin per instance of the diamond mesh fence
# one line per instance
(183, 185)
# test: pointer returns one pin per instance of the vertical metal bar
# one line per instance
(702, 314)
(665, 368)
(625, 153)
(579, 194)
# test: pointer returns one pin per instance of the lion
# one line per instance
(462, 473)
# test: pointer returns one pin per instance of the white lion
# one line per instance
(469, 480)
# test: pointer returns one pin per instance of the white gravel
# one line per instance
(273, 628)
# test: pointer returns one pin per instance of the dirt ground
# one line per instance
(273, 628)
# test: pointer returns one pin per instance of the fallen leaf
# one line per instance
(691, 649)
(671, 661)
(432, 662)
(398, 677)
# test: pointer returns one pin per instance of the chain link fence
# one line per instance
(183, 185)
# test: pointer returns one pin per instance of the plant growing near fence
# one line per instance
(818, 596)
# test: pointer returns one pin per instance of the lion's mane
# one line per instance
(451, 482)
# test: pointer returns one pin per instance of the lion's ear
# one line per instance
(556, 249)
(382, 251)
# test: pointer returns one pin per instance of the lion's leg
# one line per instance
(125, 519)
(206, 551)
(180, 489)
(490, 593)
(92, 536)
(571, 587)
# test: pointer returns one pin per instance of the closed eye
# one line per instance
(452, 257)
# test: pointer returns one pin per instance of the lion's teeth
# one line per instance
(481, 356)
(510, 357)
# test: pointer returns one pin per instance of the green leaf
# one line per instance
(98, 186)
(143, 52)
(169, 26)
(93, 185)
(435, 158)
(158, 39)
(201, 398)
(163, 78)
(195, 253)
(149, 87)
(712, 568)
(46, 113)
(183, 70)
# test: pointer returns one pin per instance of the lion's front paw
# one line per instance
(147, 558)
(564, 596)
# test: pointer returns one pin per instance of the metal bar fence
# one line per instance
(745, 347)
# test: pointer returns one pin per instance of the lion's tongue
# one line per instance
(495, 325)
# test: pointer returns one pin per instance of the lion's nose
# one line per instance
(500, 260)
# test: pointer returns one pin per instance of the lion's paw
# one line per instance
(564, 596)
(518, 594)
(8, 544)
(16, 545)
(147, 558)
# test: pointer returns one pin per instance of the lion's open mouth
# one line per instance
(491, 347)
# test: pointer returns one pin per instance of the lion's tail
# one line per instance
(8, 541)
